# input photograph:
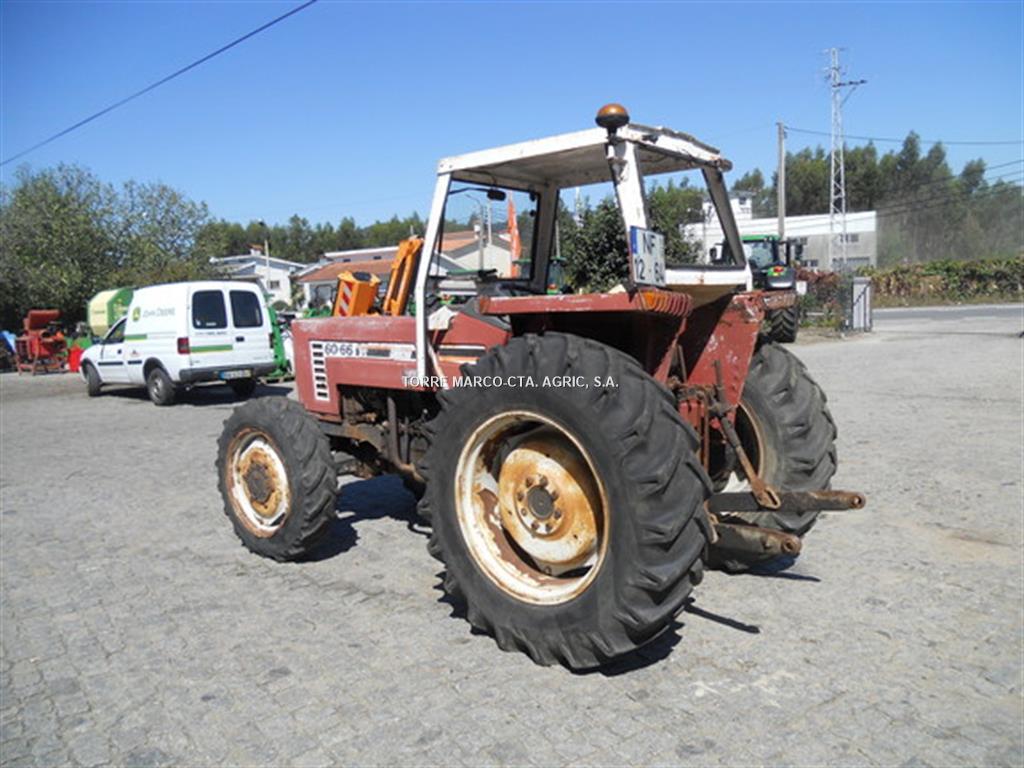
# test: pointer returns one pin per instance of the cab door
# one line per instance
(113, 368)
(250, 327)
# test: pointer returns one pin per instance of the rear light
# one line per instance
(183, 348)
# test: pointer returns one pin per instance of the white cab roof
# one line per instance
(577, 159)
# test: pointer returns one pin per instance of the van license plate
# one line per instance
(243, 374)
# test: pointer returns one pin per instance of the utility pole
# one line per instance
(780, 183)
(266, 251)
(837, 185)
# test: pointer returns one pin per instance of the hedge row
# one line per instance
(950, 281)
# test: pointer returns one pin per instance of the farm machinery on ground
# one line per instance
(41, 347)
(581, 458)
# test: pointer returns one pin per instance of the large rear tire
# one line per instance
(571, 521)
(786, 428)
(782, 324)
(277, 478)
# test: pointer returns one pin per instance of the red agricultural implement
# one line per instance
(41, 348)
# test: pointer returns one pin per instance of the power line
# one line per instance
(160, 82)
(900, 141)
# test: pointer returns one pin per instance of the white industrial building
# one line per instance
(275, 274)
(810, 231)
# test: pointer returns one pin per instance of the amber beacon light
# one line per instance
(612, 117)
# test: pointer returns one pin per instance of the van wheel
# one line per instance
(243, 388)
(92, 380)
(161, 388)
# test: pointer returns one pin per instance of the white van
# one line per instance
(184, 333)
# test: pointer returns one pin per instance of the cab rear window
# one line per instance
(208, 310)
(245, 309)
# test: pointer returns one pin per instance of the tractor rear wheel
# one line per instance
(570, 521)
(277, 477)
(787, 431)
(782, 324)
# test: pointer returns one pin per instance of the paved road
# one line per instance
(135, 630)
(951, 314)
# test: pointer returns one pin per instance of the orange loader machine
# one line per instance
(580, 458)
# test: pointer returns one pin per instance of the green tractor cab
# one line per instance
(773, 265)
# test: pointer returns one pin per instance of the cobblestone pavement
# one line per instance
(136, 630)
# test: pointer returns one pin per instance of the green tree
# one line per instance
(671, 207)
(65, 235)
(595, 253)
(57, 241)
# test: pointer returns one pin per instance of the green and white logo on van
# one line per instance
(136, 314)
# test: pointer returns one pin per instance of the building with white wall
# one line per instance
(810, 231)
(275, 274)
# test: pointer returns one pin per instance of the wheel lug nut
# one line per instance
(554, 494)
(520, 496)
(558, 514)
(529, 481)
(543, 481)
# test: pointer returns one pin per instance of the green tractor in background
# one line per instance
(773, 265)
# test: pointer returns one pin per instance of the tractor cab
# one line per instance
(772, 261)
(492, 229)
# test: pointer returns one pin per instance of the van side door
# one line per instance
(111, 361)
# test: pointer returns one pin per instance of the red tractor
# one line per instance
(580, 457)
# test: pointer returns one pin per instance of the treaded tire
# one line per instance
(309, 466)
(783, 324)
(160, 387)
(790, 411)
(243, 388)
(644, 455)
(93, 384)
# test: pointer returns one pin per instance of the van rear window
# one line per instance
(245, 309)
(208, 310)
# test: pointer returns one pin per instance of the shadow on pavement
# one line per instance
(725, 621)
(374, 499)
(201, 396)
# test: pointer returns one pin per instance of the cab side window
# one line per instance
(208, 310)
(116, 335)
(245, 309)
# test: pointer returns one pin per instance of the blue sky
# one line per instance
(344, 108)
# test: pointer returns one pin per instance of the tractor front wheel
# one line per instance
(787, 431)
(570, 521)
(277, 477)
